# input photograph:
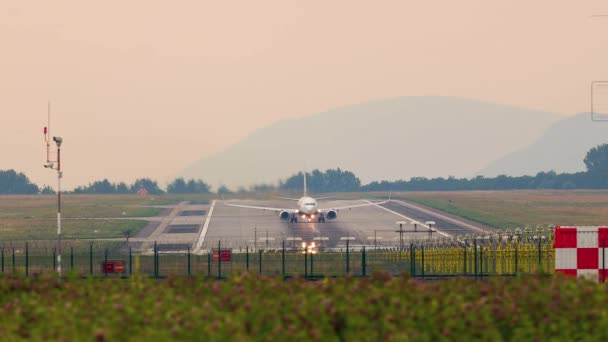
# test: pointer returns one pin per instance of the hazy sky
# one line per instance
(143, 88)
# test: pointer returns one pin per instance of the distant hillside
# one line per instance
(391, 139)
(561, 148)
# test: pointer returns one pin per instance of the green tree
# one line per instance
(12, 182)
(148, 184)
(596, 159)
(178, 186)
(192, 186)
(332, 180)
(223, 190)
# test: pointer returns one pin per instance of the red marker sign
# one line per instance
(225, 255)
(111, 267)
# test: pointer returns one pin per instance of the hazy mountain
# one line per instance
(390, 139)
(561, 148)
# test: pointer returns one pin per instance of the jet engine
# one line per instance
(331, 214)
(284, 215)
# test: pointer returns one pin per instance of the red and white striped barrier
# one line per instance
(579, 252)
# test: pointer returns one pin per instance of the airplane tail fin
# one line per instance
(305, 191)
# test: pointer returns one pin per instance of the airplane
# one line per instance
(307, 208)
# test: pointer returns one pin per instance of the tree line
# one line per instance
(13, 182)
(177, 186)
(338, 180)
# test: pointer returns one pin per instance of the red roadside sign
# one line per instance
(224, 255)
(119, 267)
(110, 267)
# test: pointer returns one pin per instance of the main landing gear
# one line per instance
(321, 218)
(293, 218)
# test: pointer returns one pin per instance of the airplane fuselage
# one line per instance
(307, 206)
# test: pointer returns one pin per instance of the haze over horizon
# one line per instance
(145, 88)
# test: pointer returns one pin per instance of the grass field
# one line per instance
(32, 217)
(509, 209)
(253, 308)
(45, 229)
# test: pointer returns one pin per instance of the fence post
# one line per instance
(188, 260)
(209, 264)
(91, 259)
(2, 260)
(465, 260)
(247, 257)
(219, 260)
(27, 260)
(347, 257)
(481, 261)
(283, 260)
(516, 259)
(539, 256)
(105, 258)
(305, 264)
(311, 265)
(603, 259)
(130, 261)
(363, 262)
(54, 260)
(155, 261)
(422, 272)
(71, 258)
(475, 257)
(413, 260)
(260, 260)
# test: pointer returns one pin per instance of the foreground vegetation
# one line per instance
(249, 307)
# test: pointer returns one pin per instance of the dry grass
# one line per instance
(508, 209)
(32, 217)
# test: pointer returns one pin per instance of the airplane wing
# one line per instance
(356, 206)
(259, 208)
(324, 198)
(288, 198)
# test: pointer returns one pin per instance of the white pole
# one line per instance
(59, 175)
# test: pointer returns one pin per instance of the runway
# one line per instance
(202, 227)
(371, 226)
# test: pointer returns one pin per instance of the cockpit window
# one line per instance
(309, 204)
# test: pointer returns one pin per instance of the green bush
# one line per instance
(251, 307)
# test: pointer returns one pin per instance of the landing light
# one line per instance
(310, 249)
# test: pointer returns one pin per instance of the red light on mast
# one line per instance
(45, 130)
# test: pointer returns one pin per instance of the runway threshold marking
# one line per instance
(201, 237)
(411, 219)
